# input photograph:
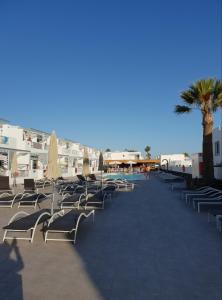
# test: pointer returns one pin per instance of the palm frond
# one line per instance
(217, 88)
(205, 94)
(187, 97)
(181, 109)
(217, 102)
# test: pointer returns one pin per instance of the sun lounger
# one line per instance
(29, 186)
(206, 204)
(93, 177)
(72, 201)
(216, 211)
(215, 197)
(4, 185)
(109, 190)
(198, 190)
(25, 223)
(94, 201)
(29, 199)
(124, 185)
(81, 179)
(8, 200)
(66, 224)
(121, 184)
(201, 194)
(71, 189)
(42, 184)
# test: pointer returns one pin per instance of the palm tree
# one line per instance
(205, 95)
(147, 150)
(101, 166)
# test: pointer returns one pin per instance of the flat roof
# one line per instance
(151, 161)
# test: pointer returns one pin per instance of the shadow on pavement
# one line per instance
(11, 263)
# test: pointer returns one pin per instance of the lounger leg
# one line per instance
(5, 233)
(94, 216)
(32, 235)
(45, 238)
(74, 240)
(208, 217)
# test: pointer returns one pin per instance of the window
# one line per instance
(35, 164)
(217, 148)
(39, 139)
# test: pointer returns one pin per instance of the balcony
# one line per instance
(36, 145)
(7, 142)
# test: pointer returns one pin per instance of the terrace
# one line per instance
(146, 244)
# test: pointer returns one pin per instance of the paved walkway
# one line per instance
(146, 244)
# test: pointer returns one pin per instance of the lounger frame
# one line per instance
(73, 230)
(34, 202)
(76, 204)
(31, 230)
(9, 203)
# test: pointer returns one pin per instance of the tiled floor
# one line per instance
(146, 244)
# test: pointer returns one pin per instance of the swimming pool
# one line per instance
(130, 177)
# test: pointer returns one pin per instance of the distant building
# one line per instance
(217, 152)
(31, 146)
(123, 155)
(176, 162)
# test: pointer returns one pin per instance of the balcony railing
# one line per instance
(36, 145)
(6, 141)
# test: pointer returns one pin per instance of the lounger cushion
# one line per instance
(7, 198)
(32, 198)
(65, 223)
(27, 222)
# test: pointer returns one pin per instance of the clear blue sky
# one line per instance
(108, 73)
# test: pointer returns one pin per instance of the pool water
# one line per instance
(130, 177)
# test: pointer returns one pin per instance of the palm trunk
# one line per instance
(208, 170)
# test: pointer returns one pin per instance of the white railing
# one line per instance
(7, 142)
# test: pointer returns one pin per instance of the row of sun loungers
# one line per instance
(58, 221)
(23, 199)
(30, 185)
(90, 201)
(78, 202)
(205, 199)
(172, 179)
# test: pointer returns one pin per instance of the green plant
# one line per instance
(205, 95)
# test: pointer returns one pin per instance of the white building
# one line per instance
(217, 153)
(123, 155)
(197, 165)
(31, 147)
(176, 162)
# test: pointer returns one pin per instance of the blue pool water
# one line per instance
(133, 176)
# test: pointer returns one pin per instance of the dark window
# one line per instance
(217, 148)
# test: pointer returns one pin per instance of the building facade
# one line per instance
(217, 152)
(123, 155)
(31, 147)
(176, 162)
